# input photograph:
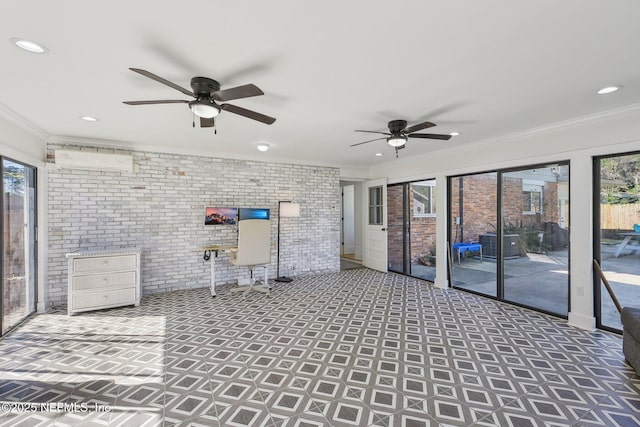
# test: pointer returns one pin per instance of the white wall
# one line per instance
(19, 138)
(161, 208)
(577, 141)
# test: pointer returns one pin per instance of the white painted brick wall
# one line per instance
(161, 209)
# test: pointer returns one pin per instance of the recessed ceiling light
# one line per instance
(263, 147)
(89, 119)
(609, 89)
(454, 133)
(378, 154)
(28, 45)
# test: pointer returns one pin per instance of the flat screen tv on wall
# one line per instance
(221, 216)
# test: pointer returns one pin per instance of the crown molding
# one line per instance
(22, 123)
(540, 130)
(564, 124)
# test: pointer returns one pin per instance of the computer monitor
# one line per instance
(253, 213)
(221, 216)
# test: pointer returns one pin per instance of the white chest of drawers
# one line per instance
(103, 279)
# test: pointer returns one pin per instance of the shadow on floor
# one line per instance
(347, 264)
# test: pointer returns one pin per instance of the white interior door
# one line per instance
(375, 239)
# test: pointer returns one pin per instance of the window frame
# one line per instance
(431, 184)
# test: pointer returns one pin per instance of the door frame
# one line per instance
(32, 233)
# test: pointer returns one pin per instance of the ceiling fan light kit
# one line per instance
(204, 108)
(397, 141)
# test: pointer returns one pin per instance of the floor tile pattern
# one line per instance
(353, 348)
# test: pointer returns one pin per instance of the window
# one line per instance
(424, 199)
(532, 197)
(375, 205)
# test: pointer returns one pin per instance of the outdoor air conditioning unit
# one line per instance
(88, 160)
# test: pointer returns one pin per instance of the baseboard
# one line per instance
(41, 307)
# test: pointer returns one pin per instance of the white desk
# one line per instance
(214, 250)
(623, 244)
(211, 253)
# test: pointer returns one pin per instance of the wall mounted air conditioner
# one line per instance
(87, 160)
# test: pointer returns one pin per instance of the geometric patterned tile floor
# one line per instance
(353, 348)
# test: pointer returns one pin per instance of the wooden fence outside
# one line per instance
(619, 216)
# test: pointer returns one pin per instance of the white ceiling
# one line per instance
(483, 68)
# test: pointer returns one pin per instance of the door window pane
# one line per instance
(536, 237)
(411, 224)
(395, 228)
(619, 231)
(422, 230)
(473, 219)
(375, 205)
(18, 224)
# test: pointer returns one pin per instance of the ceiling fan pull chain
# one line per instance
(193, 120)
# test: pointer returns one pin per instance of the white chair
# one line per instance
(254, 249)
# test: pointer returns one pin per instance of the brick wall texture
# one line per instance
(480, 199)
(161, 208)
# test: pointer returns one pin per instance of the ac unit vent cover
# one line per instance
(87, 160)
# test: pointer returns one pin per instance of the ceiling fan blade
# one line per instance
(160, 101)
(419, 126)
(430, 136)
(237, 92)
(161, 80)
(248, 113)
(207, 123)
(374, 131)
(371, 140)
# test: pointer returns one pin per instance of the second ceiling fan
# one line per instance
(207, 94)
(399, 133)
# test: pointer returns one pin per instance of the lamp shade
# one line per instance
(289, 210)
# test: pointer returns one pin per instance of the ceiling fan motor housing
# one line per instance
(397, 126)
(204, 86)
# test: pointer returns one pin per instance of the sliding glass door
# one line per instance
(411, 223)
(616, 235)
(18, 242)
(509, 235)
(535, 203)
(472, 232)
